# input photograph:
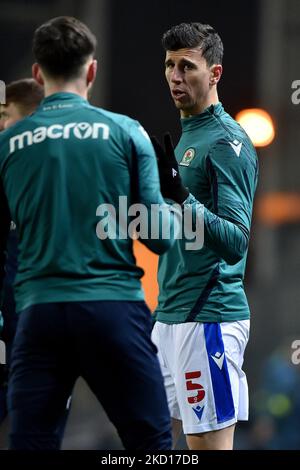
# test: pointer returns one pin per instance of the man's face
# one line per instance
(10, 115)
(188, 76)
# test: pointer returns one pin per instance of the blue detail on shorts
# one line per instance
(219, 372)
(199, 411)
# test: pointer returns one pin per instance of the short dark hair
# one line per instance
(190, 35)
(26, 94)
(62, 45)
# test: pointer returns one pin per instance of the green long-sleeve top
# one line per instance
(218, 164)
(63, 171)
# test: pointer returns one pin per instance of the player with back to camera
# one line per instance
(81, 306)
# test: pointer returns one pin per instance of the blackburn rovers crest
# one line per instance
(187, 157)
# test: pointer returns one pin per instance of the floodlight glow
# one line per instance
(258, 124)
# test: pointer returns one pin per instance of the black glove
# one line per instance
(170, 180)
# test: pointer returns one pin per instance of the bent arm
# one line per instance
(232, 181)
(162, 220)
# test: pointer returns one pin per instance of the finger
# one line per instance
(170, 150)
(157, 147)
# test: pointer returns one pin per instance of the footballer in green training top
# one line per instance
(202, 316)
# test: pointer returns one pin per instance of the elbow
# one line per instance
(159, 247)
(233, 258)
(236, 255)
(240, 248)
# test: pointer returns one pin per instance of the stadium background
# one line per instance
(262, 60)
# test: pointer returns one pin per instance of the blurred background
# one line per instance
(261, 69)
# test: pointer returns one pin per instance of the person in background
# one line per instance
(22, 98)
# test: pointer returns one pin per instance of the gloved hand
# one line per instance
(170, 180)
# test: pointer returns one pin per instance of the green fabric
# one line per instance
(218, 164)
(48, 174)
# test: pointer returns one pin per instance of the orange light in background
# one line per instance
(258, 124)
(277, 208)
(149, 262)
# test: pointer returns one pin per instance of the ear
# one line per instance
(91, 73)
(215, 74)
(37, 74)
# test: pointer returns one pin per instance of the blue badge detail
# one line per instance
(198, 411)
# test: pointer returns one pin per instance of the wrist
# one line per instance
(182, 195)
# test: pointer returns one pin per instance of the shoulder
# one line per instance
(231, 141)
(124, 123)
(231, 131)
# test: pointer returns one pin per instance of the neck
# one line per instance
(66, 87)
(212, 98)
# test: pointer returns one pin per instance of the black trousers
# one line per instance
(108, 343)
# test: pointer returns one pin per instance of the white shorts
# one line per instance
(202, 368)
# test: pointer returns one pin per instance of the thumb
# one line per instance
(157, 147)
(170, 150)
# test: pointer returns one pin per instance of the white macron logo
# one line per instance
(80, 130)
(219, 359)
(237, 147)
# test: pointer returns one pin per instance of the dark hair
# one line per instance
(26, 94)
(190, 35)
(62, 45)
